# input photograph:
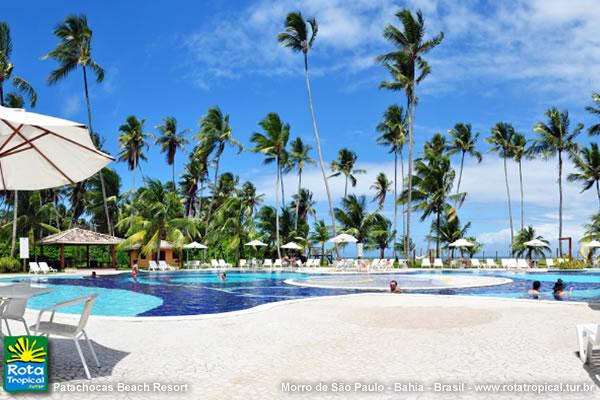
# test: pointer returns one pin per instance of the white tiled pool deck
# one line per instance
(370, 338)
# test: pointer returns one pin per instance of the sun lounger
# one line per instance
(277, 263)
(15, 310)
(243, 263)
(34, 268)
(490, 263)
(522, 263)
(214, 263)
(223, 264)
(549, 262)
(153, 266)
(268, 263)
(45, 267)
(425, 263)
(164, 266)
(438, 263)
(588, 338)
(475, 263)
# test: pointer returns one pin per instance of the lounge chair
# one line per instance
(15, 310)
(475, 263)
(522, 263)
(268, 263)
(223, 264)
(588, 338)
(425, 263)
(74, 332)
(549, 262)
(438, 263)
(278, 263)
(34, 268)
(490, 263)
(153, 266)
(164, 266)
(243, 263)
(46, 268)
(402, 263)
(214, 263)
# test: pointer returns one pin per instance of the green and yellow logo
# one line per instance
(25, 363)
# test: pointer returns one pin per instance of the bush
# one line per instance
(9, 264)
(571, 264)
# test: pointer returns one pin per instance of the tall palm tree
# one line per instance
(354, 217)
(587, 164)
(382, 188)
(297, 39)
(299, 158)
(304, 204)
(448, 231)
(393, 135)
(408, 68)
(381, 235)
(272, 144)
(6, 69)
(501, 140)
(525, 235)
(463, 142)
(344, 165)
(520, 151)
(132, 141)
(13, 101)
(171, 141)
(436, 146)
(594, 129)
(592, 229)
(555, 139)
(189, 187)
(321, 235)
(73, 50)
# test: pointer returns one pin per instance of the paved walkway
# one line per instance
(369, 338)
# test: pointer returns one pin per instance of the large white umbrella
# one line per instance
(255, 243)
(592, 244)
(535, 243)
(194, 245)
(343, 238)
(39, 152)
(461, 243)
(292, 246)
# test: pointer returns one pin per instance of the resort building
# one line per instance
(167, 253)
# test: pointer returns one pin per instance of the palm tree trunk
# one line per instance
(2, 93)
(598, 192)
(411, 100)
(437, 240)
(346, 187)
(395, 199)
(298, 199)
(14, 224)
(522, 197)
(462, 162)
(560, 204)
(277, 182)
(318, 145)
(209, 212)
(109, 226)
(173, 175)
(282, 187)
(199, 213)
(402, 190)
(509, 206)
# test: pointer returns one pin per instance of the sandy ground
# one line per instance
(381, 339)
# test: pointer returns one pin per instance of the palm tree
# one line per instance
(525, 235)
(304, 204)
(272, 144)
(320, 235)
(520, 151)
(6, 69)
(463, 142)
(587, 163)
(436, 146)
(408, 68)
(354, 217)
(592, 229)
(448, 231)
(555, 139)
(170, 141)
(75, 49)
(158, 217)
(189, 187)
(296, 38)
(345, 165)
(298, 158)
(132, 141)
(393, 135)
(434, 178)
(381, 235)
(13, 101)
(501, 140)
(382, 188)
(594, 129)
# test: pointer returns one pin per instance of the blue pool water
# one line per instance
(192, 293)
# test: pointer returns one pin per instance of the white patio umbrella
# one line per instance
(255, 243)
(343, 238)
(535, 243)
(461, 243)
(194, 245)
(592, 244)
(292, 246)
(40, 152)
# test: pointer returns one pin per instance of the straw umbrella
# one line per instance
(41, 152)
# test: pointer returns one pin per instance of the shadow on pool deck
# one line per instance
(65, 364)
(593, 368)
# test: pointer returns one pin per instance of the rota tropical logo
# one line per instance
(25, 363)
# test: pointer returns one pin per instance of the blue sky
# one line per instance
(498, 62)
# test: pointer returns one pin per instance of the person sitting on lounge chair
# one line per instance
(534, 292)
(394, 287)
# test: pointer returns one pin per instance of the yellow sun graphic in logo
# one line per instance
(25, 351)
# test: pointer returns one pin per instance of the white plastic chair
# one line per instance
(243, 263)
(588, 338)
(475, 263)
(34, 268)
(438, 263)
(214, 263)
(46, 268)
(74, 332)
(549, 262)
(153, 266)
(522, 263)
(425, 263)
(278, 263)
(162, 264)
(223, 264)
(14, 309)
(268, 263)
(490, 263)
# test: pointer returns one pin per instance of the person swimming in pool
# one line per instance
(534, 292)
(222, 276)
(134, 272)
(394, 287)
(559, 291)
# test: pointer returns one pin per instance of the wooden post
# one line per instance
(113, 259)
(569, 239)
(62, 256)
(87, 255)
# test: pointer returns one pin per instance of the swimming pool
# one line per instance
(193, 293)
